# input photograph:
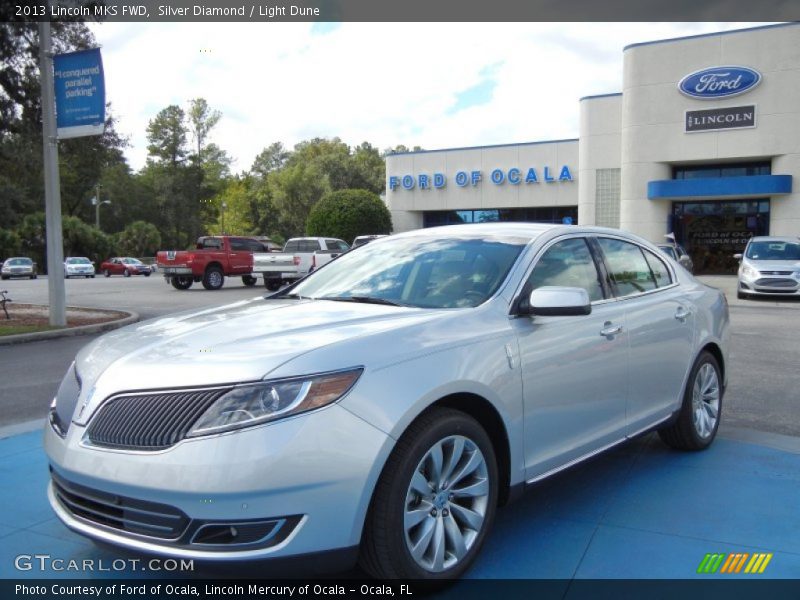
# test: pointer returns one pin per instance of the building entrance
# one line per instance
(713, 231)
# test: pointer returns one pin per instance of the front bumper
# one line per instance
(314, 473)
(766, 285)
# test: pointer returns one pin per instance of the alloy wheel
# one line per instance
(446, 503)
(705, 400)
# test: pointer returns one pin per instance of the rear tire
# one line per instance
(107, 273)
(213, 278)
(249, 280)
(181, 283)
(146, 274)
(273, 285)
(699, 417)
(435, 501)
(126, 273)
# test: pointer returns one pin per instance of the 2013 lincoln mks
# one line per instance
(383, 407)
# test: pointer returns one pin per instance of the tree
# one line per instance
(166, 134)
(202, 120)
(9, 243)
(295, 190)
(270, 159)
(349, 213)
(140, 238)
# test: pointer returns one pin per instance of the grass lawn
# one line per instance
(13, 329)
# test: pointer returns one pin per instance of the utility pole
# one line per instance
(52, 183)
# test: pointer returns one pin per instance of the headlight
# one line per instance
(749, 271)
(249, 405)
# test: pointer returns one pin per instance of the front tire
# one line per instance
(434, 502)
(107, 273)
(213, 278)
(698, 420)
(126, 273)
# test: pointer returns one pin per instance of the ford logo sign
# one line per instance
(719, 82)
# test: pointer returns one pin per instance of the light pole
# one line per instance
(96, 202)
(222, 212)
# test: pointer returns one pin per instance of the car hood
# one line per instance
(774, 265)
(240, 342)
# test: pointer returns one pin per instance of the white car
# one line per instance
(770, 266)
(18, 266)
(383, 407)
(78, 266)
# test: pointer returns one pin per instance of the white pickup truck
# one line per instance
(300, 256)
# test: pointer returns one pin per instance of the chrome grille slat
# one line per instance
(124, 520)
(119, 512)
(149, 421)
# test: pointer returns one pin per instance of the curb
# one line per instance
(22, 338)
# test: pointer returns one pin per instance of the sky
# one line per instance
(434, 85)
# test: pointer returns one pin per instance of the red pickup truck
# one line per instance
(215, 258)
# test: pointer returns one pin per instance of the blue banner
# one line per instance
(80, 93)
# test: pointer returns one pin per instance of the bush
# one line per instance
(140, 238)
(349, 213)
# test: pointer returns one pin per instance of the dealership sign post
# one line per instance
(73, 105)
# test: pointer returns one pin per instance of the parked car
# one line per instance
(300, 257)
(18, 266)
(125, 266)
(213, 259)
(386, 404)
(365, 239)
(769, 266)
(78, 266)
(679, 255)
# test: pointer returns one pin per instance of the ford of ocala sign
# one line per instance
(514, 176)
(719, 82)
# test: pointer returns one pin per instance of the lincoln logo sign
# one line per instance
(513, 176)
(719, 82)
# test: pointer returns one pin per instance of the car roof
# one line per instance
(519, 229)
(774, 238)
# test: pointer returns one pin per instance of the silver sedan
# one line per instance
(769, 266)
(382, 408)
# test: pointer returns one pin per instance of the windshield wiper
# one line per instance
(289, 296)
(362, 299)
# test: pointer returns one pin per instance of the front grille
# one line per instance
(118, 512)
(776, 272)
(781, 283)
(149, 421)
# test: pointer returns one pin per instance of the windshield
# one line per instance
(78, 261)
(773, 251)
(420, 271)
(131, 261)
(19, 262)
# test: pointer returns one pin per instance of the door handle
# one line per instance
(681, 314)
(610, 330)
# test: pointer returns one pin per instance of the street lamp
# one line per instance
(96, 202)
(222, 212)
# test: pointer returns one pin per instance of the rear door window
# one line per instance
(627, 267)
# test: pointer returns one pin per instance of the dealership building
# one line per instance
(702, 142)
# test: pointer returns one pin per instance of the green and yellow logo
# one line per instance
(734, 563)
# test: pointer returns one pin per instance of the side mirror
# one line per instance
(737, 256)
(552, 301)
